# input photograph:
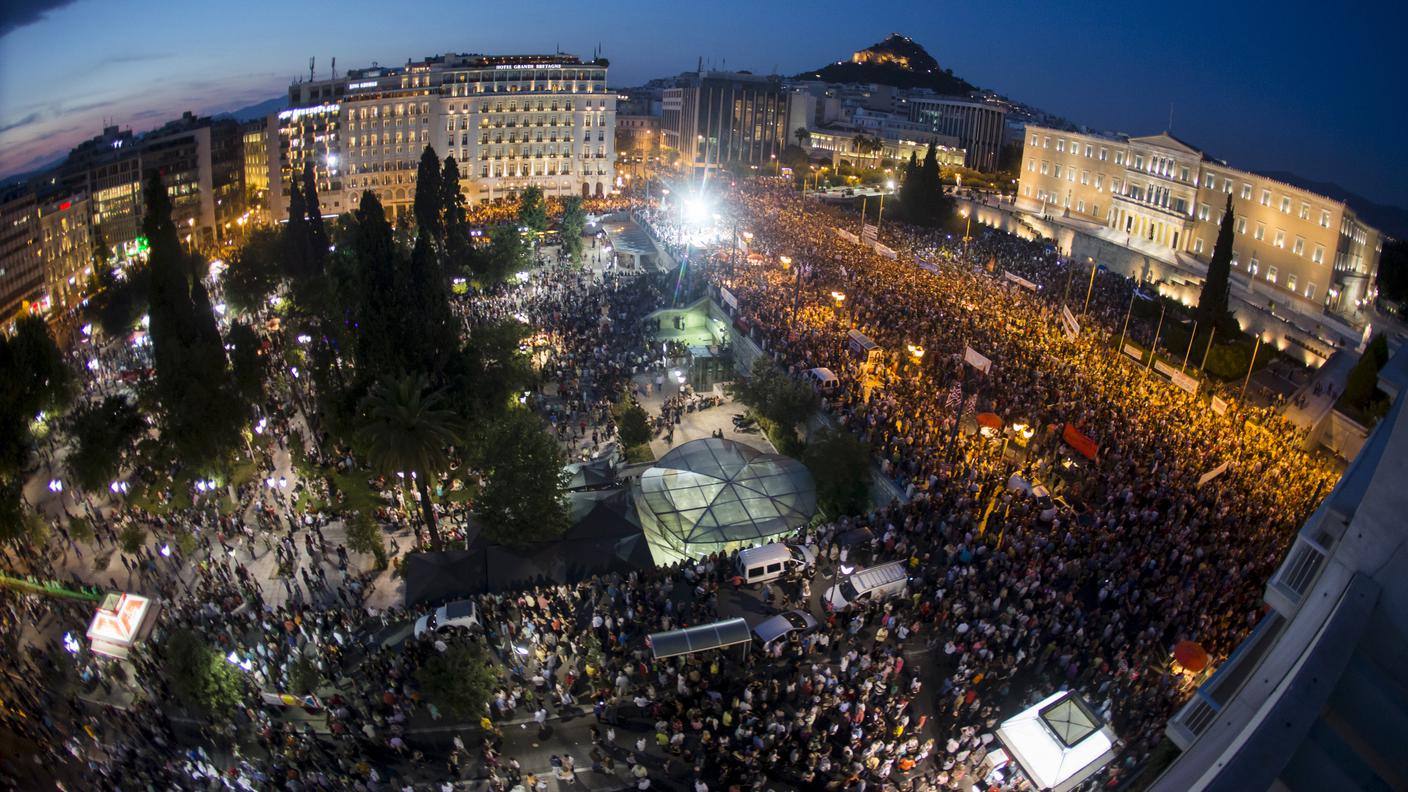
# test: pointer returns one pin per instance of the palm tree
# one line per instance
(403, 428)
(802, 136)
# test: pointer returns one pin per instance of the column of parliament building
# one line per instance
(1158, 194)
(509, 121)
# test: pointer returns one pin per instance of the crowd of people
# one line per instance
(1010, 596)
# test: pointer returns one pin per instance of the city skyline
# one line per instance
(1261, 112)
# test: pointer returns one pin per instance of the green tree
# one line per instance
(364, 536)
(459, 680)
(840, 464)
(201, 416)
(491, 371)
(200, 676)
(508, 254)
(1212, 301)
(405, 430)
(296, 234)
(802, 136)
(779, 400)
(303, 674)
(910, 186)
(632, 423)
(103, 433)
(33, 378)
(254, 271)
(459, 248)
(375, 266)
(1392, 277)
(533, 210)
(118, 301)
(574, 221)
(1361, 387)
(317, 234)
(246, 362)
(429, 201)
(522, 501)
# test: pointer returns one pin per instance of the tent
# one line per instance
(700, 638)
(1080, 442)
(1058, 742)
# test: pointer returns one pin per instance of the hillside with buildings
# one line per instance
(897, 61)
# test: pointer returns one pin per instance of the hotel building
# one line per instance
(1162, 197)
(510, 122)
(21, 266)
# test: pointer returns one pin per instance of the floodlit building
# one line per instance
(510, 122)
(1316, 697)
(714, 495)
(1159, 195)
(977, 125)
(21, 266)
(66, 249)
(717, 120)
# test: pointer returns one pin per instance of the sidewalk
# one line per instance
(1334, 373)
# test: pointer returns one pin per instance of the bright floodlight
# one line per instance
(696, 210)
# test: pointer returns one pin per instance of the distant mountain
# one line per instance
(254, 111)
(896, 61)
(1392, 220)
(19, 178)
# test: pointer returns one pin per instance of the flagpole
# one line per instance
(1250, 366)
(1189, 350)
(862, 218)
(1154, 348)
(1120, 349)
(1211, 336)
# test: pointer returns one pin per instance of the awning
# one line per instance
(701, 638)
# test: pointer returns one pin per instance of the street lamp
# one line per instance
(967, 226)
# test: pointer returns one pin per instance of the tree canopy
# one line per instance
(1212, 301)
(522, 501)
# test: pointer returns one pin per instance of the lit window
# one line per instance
(1285, 205)
(1198, 245)
(1099, 181)
(1291, 281)
(1270, 273)
(1087, 151)
(1280, 238)
(1210, 181)
(1103, 153)
(1305, 211)
(1246, 192)
(1242, 225)
(1260, 232)
(1299, 247)
(1202, 212)
(1319, 255)
(1310, 291)
(1324, 218)
(1265, 197)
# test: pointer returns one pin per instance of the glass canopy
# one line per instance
(714, 495)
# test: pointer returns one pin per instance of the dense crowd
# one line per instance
(1010, 597)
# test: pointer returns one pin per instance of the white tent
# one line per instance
(1058, 742)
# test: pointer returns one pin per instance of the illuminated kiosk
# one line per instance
(121, 621)
(713, 495)
(1058, 742)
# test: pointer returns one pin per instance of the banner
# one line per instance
(1165, 369)
(977, 361)
(868, 231)
(728, 298)
(847, 235)
(925, 265)
(1219, 406)
(1186, 382)
(1083, 445)
(1019, 280)
(888, 253)
(1212, 474)
(1134, 352)
(1068, 320)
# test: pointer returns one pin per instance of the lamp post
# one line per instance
(1089, 287)
(967, 226)
(916, 355)
(1250, 366)
(840, 298)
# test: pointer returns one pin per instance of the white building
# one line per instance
(509, 121)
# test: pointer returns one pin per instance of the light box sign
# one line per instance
(121, 621)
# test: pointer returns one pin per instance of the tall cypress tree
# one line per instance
(317, 233)
(456, 228)
(296, 233)
(374, 250)
(909, 187)
(428, 208)
(1212, 302)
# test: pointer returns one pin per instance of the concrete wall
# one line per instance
(1342, 434)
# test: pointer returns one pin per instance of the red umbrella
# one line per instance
(990, 420)
(1191, 656)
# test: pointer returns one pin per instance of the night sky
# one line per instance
(1311, 88)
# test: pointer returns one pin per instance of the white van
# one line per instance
(758, 565)
(869, 585)
(823, 380)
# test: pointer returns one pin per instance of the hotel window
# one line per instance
(1319, 255)
(1280, 238)
(1099, 181)
(1260, 232)
(1198, 245)
(1324, 218)
(1285, 205)
(1242, 225)
(1270, 273)
(1299, 247)
(1246, 192)
(1103, 153)
(1291, 281)
(1305, 211)
(1310, 291)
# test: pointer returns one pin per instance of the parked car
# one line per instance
(782, 625)
(460, 614)
(868, 585)
(758, 565)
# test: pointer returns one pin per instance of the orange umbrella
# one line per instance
(1191, 656)
(990, 420)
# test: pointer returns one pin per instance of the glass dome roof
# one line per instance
(718, 495)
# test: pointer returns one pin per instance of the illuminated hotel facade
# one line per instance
(510, 122)
(1158, 194)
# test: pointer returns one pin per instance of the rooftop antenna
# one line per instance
(310, 68)
(334, 67)
(1170, 116)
